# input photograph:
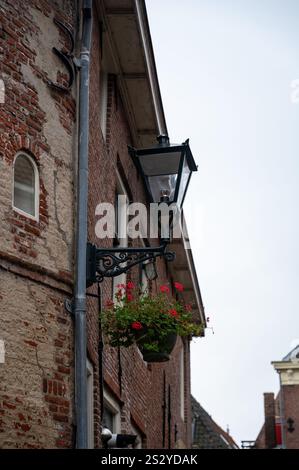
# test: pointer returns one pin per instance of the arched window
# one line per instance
(26, 186)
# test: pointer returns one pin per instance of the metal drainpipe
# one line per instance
(81, 233)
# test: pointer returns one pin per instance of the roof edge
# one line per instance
(145, 34)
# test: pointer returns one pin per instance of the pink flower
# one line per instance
(164, 289)
(136, 325)
(188, 308)
(179, 286)
(121, 286)
(130, 285)
(173, 312)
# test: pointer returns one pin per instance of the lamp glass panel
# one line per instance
(160, 164)
(160, 184)
(184, 181)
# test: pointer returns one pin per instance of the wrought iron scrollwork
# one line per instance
(65, 57)
(111, 262)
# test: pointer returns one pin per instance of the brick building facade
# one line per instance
(39, 125)
(281, 429)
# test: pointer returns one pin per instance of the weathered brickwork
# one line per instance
(36, 380)
(40, 121)
(36, 384)
(36, 257)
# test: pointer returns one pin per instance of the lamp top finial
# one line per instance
(163, 139)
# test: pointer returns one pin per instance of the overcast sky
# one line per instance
(225, 69)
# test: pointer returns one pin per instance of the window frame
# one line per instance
(122, 225)
(182, 382)
(36, 187)
(103, 102)
(143, 280)
(113, 406)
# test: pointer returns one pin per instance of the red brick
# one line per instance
(8, 405)
(60, 418)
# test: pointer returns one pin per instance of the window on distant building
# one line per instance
(26, 186)
(90, 406)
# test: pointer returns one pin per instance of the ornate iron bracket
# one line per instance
(65, 57)
(111, 262)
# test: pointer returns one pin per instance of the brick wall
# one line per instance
(291, 410)
(269, 409)
(36, 257)
(142, 392)
(40, 121)
(36, 383)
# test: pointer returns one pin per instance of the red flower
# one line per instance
(109, 303)
(130, 285)
(136, 325)
(173, 312)
(129, 297)
(188, 308)
(164, 289)
(179, 286)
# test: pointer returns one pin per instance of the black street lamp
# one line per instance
(166, 170)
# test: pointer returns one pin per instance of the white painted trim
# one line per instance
(288, 371)
(283, 365)
(144, 288)
(120, 184)
(103, 102)
(122, 219)
(36, 187)
(114, 407)
(182, 382)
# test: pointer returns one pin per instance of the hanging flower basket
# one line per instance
(151, 321)
(163, 346)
